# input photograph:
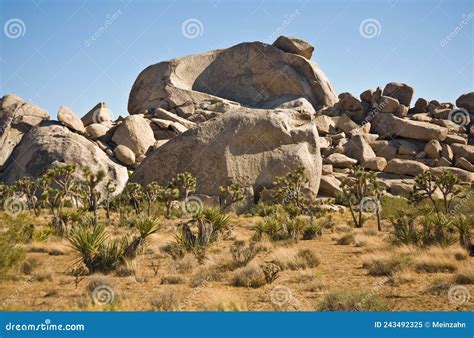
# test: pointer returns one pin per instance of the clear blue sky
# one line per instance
(49, 61)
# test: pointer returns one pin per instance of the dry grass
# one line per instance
(166, 300)
(465, 275)
(294, 259)
(249, 276)
(350, 301)
(383, 264)
(401, 277)
(346, 239)
(432, 263)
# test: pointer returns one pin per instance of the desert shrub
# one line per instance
(465, 275)
(346, 239)
(249, 276)
(439, 286)
(350, 301)
(435, 264)
(11, 251)
(302, 259)
(465, 225)
(172, 279)
(100, 254)
(391, 206)
(29, 265)
(271, 271)
(219, 221)
(400, 277)
(166, 300)
(381, 265)
(313, 230)
(205, 275)
(282, 227)
(242, 254)
(185, 183)
(263, 209)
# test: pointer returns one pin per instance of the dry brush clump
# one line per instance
(343, 300)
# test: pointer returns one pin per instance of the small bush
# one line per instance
(172, 280)
(465, 275)
(304, 259)
(346, 239)
(249, 276)
(243, 254)
(167, 300)
(380, 265)
(432, 264)
(349, 301)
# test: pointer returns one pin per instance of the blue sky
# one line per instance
(79, 53)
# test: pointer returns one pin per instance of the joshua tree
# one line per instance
(289, 189)
(134, 193)
(29, 188)
(151, 193)
(110, 188)
(168, 196)
(361, 190)
(91, 194)
(229, 195)
(185, 183)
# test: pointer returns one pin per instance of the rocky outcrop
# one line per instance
(16, 118)
(290, 44)
(50, 143)
(248, 146)
(251, 74)
(67, 117)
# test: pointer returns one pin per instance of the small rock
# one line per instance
(433, 149)
(329, 185)
(340, 161)
(400, 91)
(462, 163)
(375, 163)
(349, 102)
(366, 96)
(388, 104)
(67, 117)
(405, 167)
(124, 155)
(290, 44)
(466, 101)
(178, 127)
(345, 124)
(358, 148)
(100, 113)
(96, 130)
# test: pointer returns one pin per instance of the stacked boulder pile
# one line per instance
(246, 114)
(383, 132)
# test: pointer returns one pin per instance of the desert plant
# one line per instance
(249, 276)
(219, 221)
(29, 188)
(151, 193)
(289, 189)
(87, 241)
(465, 225)
(185, 183)
(271, 271)
(230, 194)
(89, 189)
(350, 301)
(427, 185)
(313, 230)
(242, 254)
(168, 196)
(110, 188)
(133, 192)
(146, 226)
(11, 240)
(361, 191)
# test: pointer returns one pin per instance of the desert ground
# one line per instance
(347, 261)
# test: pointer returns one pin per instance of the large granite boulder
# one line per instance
(252, 74)
(67, 117)
(466, 101)
(99, 114)
(245, 145)
(16, 118)
(49, 143)
(387, 124)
